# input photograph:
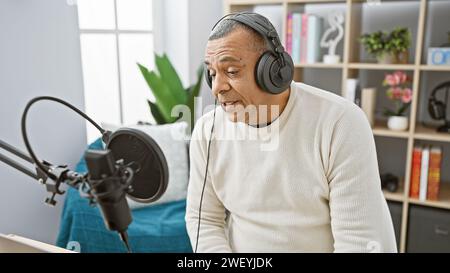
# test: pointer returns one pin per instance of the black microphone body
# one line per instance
(108, 189)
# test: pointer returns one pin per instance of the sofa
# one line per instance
(157, 228)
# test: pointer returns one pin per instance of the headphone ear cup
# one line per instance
(436, 109)
(269, 76)
(208, 77)
(288, 71)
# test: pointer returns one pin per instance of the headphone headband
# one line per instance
(437, 88)
(261, 25)
(274, 69)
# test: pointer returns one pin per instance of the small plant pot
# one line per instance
(397, 123)
(402, 57)
(386, 58)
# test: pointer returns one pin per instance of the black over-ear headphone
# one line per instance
(274, 70)
(437, 108)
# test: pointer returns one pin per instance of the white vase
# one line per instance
(331, 59)
(397, 123)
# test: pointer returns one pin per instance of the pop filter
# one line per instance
(138, 149)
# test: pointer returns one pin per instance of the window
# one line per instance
(114, 36)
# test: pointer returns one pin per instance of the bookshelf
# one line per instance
(353, 65)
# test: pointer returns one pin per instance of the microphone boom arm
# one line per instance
(60, 172)
(16, 164)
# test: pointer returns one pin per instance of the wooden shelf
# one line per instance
(381, 1)
(350, 65)
(394, 196)
(435, 67)
(262, 2)
(376, 66)
(443, 201)
(398, 196)
(315, 1)
(425, 133)
(318, 65)
(380, 129)
(254, 2)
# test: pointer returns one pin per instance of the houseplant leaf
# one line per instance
(198, 84)
(193, 92)
(165, 100)
(159, 118)
(170, 77)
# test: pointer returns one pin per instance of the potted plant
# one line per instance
(375, 44)
(169, 92)
(401, 94)
(388, 48)
(399, 41)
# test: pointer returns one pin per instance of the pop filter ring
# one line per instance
(151, 145)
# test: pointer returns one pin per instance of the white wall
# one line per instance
(40, 55)
(202, 17)
(186, 27)
(176, 35)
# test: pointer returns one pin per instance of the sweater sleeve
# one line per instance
(212, 225)
(360, 218)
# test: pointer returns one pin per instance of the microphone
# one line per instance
(132, 165)
(109, 192)
(141, 174)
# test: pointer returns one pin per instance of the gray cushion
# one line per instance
(173, 141)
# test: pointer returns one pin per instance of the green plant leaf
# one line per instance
(387, 112)
(170, 77)
(193, 92)
(374, 43)
(403, 109)
(156, 113)
(196, 89)
(165, 100)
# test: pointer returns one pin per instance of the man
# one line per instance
(317, 190)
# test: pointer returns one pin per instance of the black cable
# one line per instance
(206, 173)
(24, 128)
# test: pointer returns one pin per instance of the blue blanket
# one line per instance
(158, 228)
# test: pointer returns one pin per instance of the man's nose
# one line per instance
(219, 85)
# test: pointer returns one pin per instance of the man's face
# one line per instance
(231, 62)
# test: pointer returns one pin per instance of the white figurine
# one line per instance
(335, 20)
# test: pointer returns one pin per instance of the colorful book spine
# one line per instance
(313, 40)
(296, 32)
(414, 187)
(304, 38)
(434, 173)
(424, 173)
(289, 34)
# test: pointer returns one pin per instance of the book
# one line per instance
(434, 173)
(289, 33)
(414, 185)
(304, 38)
(296, 32)
(424, 173)
(313, 38)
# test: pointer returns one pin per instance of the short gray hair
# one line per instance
(226, 26)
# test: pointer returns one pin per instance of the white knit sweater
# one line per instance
(309, 182)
